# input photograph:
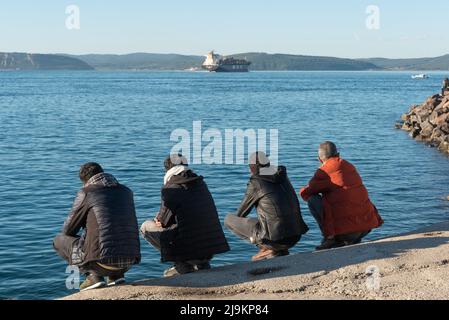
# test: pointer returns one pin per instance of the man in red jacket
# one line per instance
(339, 201)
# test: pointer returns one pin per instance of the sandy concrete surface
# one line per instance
(409, 266)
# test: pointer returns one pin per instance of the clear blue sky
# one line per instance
(324, 27)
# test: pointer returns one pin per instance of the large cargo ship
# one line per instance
(216, 63)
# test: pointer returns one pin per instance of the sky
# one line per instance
(401, 29)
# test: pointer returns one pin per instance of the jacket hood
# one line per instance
(278, 177)
(174, 171)
(102, 179)
(185, 178)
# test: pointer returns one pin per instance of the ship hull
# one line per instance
(228, 68)
(232, 68)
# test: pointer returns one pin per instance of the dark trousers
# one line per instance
(65, 246)
(315, 204)
(246, 229)
(153, 234)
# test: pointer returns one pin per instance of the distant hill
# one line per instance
(260, 61)
(28, 61)
(438, 63)
(288, 62)
(141, 61)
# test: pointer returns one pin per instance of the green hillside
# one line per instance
(27, 61)
(438, 63)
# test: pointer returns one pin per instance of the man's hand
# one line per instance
(157, 222)
(304, 194)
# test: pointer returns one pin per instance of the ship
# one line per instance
(421, 76)
(217, 63)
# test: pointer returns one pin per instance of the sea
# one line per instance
(52, 122)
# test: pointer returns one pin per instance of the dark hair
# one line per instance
(174, 160)
(89, 170)
(258, 160)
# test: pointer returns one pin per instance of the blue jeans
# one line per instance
(315, 204)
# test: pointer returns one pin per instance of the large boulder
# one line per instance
(443, 107)
(426, 130)
(442, 119)
(423, 114)
(445, 128)
(433, 116)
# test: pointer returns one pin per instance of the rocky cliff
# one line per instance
(429, 122)
(28, 61)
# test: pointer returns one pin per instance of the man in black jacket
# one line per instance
(279, 225)
(110, 244)
(186, 230)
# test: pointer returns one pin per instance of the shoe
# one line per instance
(351, 243)
(92, 282)
(115, 281)
(282, 253)
(268, 253)
(178, 269)
(203, 266)
(329, 244)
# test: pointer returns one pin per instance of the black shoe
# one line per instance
(351, 243)
(203, 266)
(282, 253)
(92, 282)
(115, 281)
(178, 269)
(329, 244)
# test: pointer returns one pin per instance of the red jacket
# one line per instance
(346, 205)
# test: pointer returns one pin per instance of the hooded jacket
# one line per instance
(277, 207)
(105, 210)
(346, 205)
(187, 207)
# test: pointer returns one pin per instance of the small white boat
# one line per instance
(420, 76)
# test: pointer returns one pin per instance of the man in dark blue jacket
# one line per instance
(110, 244)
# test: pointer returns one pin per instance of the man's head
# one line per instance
(327, 150)
(258, 160)
(174, 160)
(89, 170)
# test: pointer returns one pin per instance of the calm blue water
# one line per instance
(53, 122)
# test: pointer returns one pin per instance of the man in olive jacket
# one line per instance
(279, 225)
(186, 230)
(110, 244)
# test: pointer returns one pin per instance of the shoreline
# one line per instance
(413, 265)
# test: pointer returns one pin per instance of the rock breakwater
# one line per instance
(429, 122)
